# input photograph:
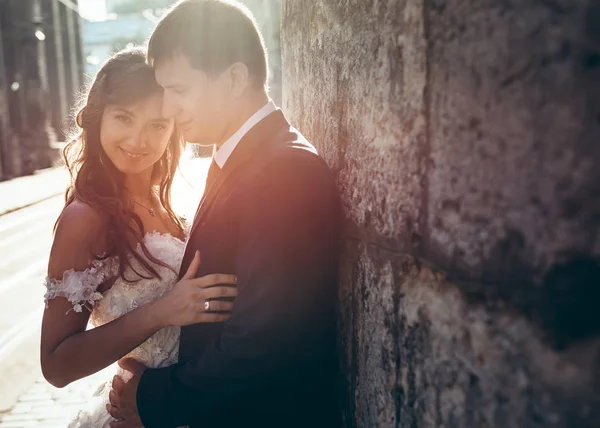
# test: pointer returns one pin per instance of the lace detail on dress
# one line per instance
(79, 287)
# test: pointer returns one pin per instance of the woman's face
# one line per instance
(134, 137)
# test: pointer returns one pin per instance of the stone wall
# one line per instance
(465, 136)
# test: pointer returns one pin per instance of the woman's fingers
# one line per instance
(217, 292)
(215, 279)
(219, 306)
(193, 267)
(213, 317)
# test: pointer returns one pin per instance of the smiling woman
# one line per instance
(135, 137)
(123, 138)
(118, 245)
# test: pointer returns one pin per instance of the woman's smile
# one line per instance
(131, 155)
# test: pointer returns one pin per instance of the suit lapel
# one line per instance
(250, 147)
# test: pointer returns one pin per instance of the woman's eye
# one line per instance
(123, 118)
(158, 127)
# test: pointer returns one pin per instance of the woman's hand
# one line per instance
(186, 303)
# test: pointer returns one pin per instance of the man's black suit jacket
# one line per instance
(271, 218)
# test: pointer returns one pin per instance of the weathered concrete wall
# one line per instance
(465, 136)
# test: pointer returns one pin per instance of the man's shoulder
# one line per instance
(285, 155)
(291, 147)
(292, 164)
(299, 142)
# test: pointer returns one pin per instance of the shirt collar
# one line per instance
(224, 152)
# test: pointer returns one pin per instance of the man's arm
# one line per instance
(285, 267)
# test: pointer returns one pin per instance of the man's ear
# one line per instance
(240, 79)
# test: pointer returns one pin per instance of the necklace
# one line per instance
(150, 210)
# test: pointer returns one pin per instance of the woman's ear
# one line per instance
(240, 79)
(79, 118)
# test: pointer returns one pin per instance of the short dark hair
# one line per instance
(212, 34)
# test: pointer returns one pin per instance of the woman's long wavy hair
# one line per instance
(124, 79)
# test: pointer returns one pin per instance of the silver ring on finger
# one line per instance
(207, 306)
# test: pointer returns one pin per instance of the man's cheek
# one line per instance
(189, 105)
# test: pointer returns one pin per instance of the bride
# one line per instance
(118, 244)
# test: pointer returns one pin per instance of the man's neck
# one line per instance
(250, 107)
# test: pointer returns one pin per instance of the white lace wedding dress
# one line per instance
(161, 349)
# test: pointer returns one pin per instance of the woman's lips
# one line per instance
(131, 155)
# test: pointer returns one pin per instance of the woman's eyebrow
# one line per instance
(124, 110)
(175, 86)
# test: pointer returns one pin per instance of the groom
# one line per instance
(269, 215)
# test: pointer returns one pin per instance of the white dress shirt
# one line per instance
(229, 146)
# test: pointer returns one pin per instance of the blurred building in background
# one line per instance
(112, 4)
(41, 70)
(134, 6)
(103, 38)
(46, 49)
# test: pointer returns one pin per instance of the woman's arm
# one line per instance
(68, 351)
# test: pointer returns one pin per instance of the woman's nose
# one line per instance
(138, 140)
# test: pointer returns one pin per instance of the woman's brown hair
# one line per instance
(124, 79)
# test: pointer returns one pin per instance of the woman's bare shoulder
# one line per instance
(79, 214)
(80, 235)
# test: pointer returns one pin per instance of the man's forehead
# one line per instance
(173, 67)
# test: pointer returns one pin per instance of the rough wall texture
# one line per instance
(465, 135)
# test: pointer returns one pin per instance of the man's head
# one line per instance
(210, 58)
